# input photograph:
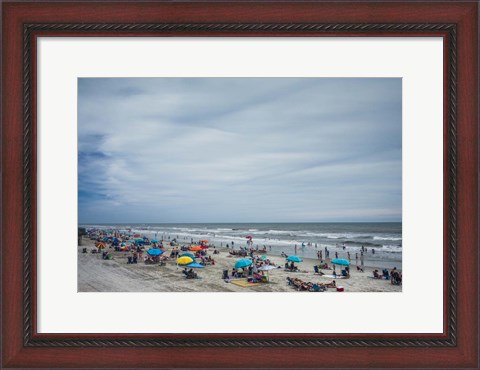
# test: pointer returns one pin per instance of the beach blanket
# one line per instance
(334, 276)
(243, 282)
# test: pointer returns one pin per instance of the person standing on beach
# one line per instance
(320, 255)
(336, 254)
(356, 258)
(295, 249)
(348, 255)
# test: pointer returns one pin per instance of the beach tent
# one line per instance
(195, 265)
(154, 252)
(184, 261)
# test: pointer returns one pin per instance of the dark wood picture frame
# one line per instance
(23, 22)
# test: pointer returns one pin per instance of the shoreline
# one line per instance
(375, 256)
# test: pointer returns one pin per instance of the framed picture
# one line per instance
(240, 185)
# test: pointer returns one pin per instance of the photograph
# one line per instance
(236, 184)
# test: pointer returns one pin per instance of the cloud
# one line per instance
(239, 149)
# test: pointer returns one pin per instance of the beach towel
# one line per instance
(334, 276)
(243, 283)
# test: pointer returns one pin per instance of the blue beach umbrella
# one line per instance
(154, 241)
(195, 265)
(294, 259)
(241, 264)
(154, 252)
(341, 262)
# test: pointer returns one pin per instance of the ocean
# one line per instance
(383, 241)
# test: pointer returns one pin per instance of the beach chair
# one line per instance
(225, 275)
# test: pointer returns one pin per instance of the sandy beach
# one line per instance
(115, 275)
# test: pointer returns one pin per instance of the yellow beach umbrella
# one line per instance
(184, 260)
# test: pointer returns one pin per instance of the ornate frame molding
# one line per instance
(323, 29)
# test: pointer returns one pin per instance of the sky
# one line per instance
(173, 150)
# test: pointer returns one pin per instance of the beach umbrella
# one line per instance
(195, 265)
(341, 262)
(204, 241)
(249, 237)
(195, 248)
(241, 264)
(263, 258)
(100, 245)
(154, 252)
(184, 261)
(188, 255)
(154, 241)
(204, 246)
(294, 259)
(267, 268)
(139, 240)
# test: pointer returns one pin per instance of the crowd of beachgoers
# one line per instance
(114, 260)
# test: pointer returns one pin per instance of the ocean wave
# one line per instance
(386, 238)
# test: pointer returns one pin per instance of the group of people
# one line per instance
(394, 276)
(206, 260)
(290, 267)
(190, 274)
(299, 284)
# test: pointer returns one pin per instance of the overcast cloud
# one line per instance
(239, 149)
